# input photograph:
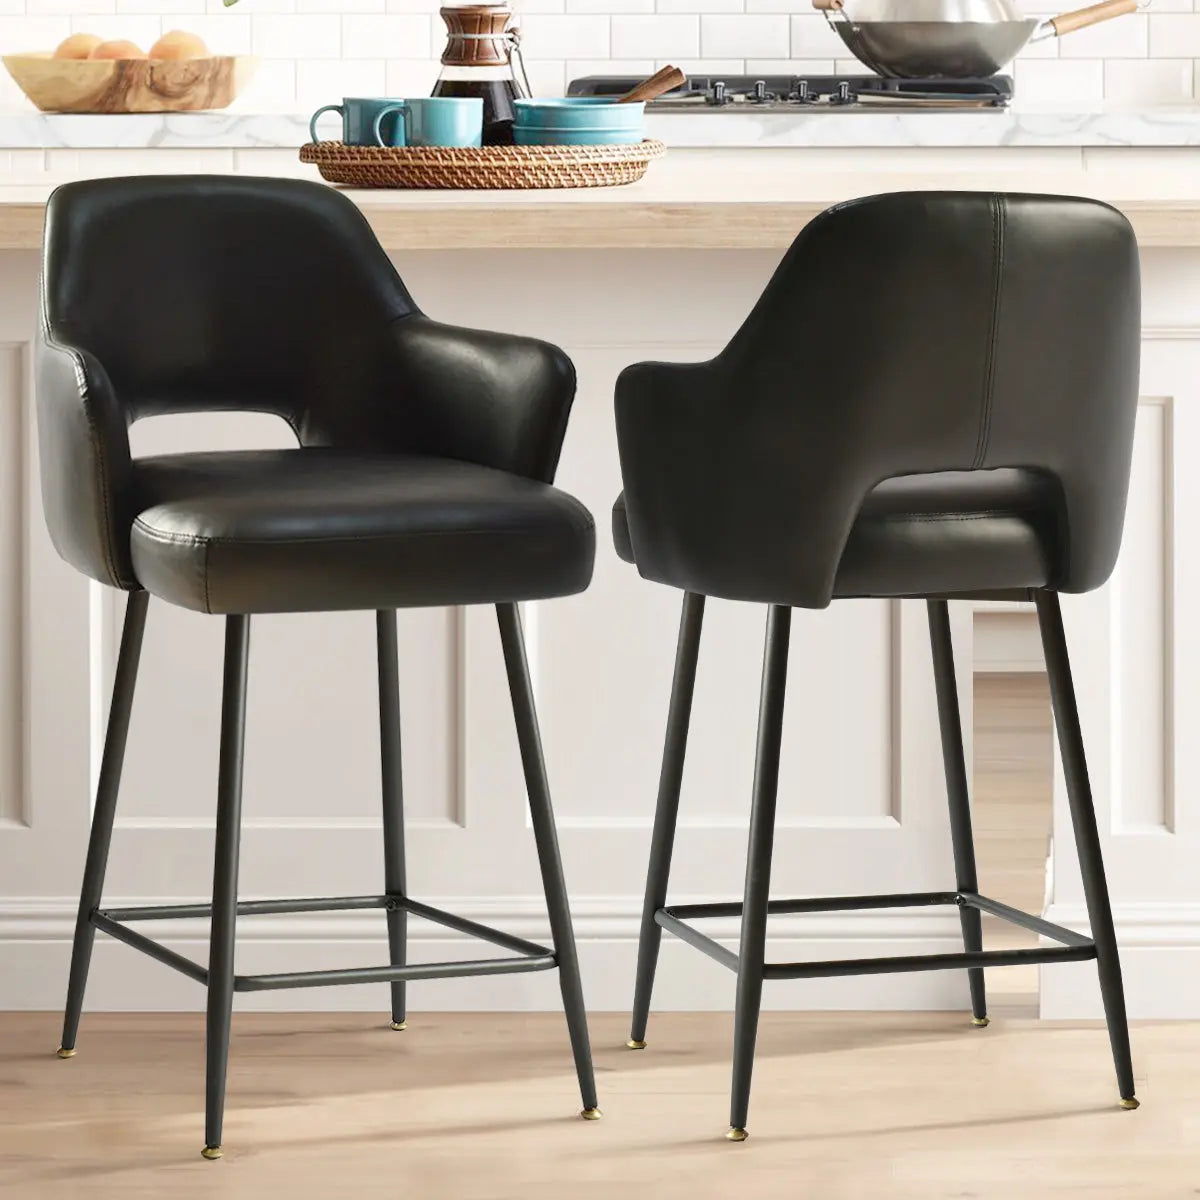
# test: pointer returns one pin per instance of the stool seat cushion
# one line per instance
(315, 530)
(946, 533)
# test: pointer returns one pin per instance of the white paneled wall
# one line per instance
(317, 50)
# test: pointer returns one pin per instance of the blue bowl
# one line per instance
(578, 121)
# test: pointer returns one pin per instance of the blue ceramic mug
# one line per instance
(432, 121)
(366, 121)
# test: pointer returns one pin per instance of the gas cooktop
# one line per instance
(789, 93)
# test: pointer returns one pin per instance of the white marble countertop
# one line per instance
(1162, 127)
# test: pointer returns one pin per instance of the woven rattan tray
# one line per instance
(486, 167)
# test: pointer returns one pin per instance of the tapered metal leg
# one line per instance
(104, 813)
(542, 815)
(958, 794)
(1087, 838)
(225, 876)
(666, 813)
(393, 802)
(753, 950)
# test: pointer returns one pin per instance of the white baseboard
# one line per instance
(1007, 640)
(1160, 953)
(35, 940)
(1160, 963)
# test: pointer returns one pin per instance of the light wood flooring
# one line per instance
(846, 1106)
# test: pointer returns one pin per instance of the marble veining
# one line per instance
(1166, 127)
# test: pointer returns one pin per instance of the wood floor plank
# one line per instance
(896, 1106)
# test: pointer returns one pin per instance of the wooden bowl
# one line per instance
(129, 85)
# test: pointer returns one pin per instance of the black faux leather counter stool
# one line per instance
(934, 398)
(422, 478)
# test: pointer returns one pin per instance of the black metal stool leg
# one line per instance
(225, 876)
(958, 793)
(753, 949)
(393, 802)
(542, 815)
(1087, 838)
(104, 813)
(666, 812)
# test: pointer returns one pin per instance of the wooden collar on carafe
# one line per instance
(478, 35)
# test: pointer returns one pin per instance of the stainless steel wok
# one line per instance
(962, 39)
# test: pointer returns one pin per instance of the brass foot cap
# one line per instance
(591, 1114)
(399, 1025)
(634, 1044)
(736, 1135)
(979, 1022)
(63, 1052)
(211, 1152)
(1130, 1102)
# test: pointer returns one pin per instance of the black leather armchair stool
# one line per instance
(935, 398)
(422, 478)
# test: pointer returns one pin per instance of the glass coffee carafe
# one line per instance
(481, 44)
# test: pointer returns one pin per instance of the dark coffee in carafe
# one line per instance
(478, 61)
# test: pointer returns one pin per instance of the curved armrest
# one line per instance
(490, 398)
(85, 464)
(718, 479)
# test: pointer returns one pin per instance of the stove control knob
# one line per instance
(802, 91)
(843, 93)
(718, 93)
(759, 95)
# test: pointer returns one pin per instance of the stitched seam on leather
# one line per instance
(989, 378)
(81, 384)
(192, 539)
(207, 554)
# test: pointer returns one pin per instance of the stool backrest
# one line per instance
(905, 333)
(219, 292)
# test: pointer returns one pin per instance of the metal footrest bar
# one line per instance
(1006, 912)
(531, 956)
(484, 932)
(139, 941)
(1074, 947)
(928, 962)
(685, 933)
(251, 908)
(815, 904)
(444, 970)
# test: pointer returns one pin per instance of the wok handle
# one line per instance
(658, 83)
(1081, 18)
(828, 5)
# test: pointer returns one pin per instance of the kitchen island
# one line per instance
(665, 268)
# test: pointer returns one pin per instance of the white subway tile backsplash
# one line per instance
(699, 6)
(326, 81)
(1059, 81)
(548, 77)
(311, 49)
(1124, 37)
(1148, 81)
(410, 77)
(19, 34)
(1174, 35)
(607, 7)
(813, 38)
(166, 8)
(297, 35)
(272, 87)
(38, 7)
(664, 36)
(390, 35)
(742, 34)
(548, 35)
(143, 30)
